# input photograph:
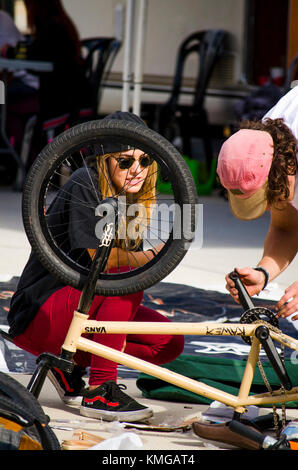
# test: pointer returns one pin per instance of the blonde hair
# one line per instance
(146, 197)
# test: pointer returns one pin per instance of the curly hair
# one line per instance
(284, 161)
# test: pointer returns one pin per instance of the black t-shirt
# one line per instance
(73, 221)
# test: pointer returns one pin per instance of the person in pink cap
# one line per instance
(258, 167)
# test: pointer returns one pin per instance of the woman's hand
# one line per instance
(252, 280)
(288, 304)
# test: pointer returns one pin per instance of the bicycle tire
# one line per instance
(58, 151)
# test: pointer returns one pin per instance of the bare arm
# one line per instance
(119, 257)
(281, 242)
(280, 248)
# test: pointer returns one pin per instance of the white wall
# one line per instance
(168, 23)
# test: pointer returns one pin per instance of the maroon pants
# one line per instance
(46, 333)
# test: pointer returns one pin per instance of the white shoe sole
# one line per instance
(126, 416)
(67, 400)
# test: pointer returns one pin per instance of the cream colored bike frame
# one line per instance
(80, 324)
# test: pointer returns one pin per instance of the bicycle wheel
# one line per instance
(57, 172)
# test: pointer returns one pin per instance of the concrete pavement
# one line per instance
(222, 243)
(227, 243)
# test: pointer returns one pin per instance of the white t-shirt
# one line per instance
(287, 108)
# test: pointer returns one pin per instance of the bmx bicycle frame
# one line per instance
(82, 325)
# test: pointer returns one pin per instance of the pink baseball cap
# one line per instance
(244, 163)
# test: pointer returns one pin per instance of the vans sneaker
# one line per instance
(110, 403)
(69, 386)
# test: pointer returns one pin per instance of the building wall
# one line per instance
(168, 23)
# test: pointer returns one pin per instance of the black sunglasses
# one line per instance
(126, 162)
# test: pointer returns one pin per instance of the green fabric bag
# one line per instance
(222, 373)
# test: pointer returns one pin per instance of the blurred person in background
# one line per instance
(65, 90)
(21, 92)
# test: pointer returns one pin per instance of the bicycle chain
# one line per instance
(252, 316)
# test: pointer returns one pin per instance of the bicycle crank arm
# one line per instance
(265, 442)
(244, 296)
(262, 333)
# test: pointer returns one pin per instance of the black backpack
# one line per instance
(23, 423)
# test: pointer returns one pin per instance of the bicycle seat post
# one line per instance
(98, 265)
(101, 256)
